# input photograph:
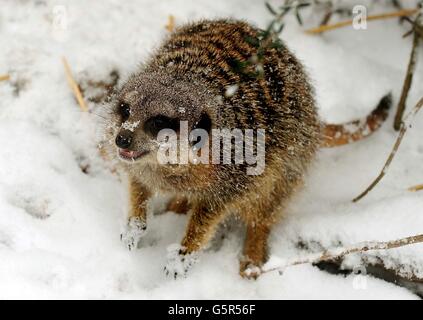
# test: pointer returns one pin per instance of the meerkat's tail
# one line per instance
(334, 135)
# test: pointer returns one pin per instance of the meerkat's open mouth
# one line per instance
(131, 155)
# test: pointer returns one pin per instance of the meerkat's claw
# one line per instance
(135, 229)
(178, 262)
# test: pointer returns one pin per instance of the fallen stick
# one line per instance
(400, 13)
(338, 253)
(74, 86)
(4, 77)
(403, 129)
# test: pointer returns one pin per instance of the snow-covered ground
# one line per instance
(59, 227)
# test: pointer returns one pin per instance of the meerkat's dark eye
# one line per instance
(124, 110)
(204, 123)
(160, 122)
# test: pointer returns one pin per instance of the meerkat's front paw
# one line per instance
(178, 262)
(249, 270)
(135, 229)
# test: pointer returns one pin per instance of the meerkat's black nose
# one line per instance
(124, 140)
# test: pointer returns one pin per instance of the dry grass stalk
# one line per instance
(171, 23)
(4, 77)
(405, 124)
(419, 187)
(79, 97)
(339, 253)
(74, 86)
(400, 13)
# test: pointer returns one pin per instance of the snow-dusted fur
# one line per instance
(187, 80)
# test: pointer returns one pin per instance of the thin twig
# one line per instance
(338, 253)
(419, 187)
(397, 4)
(170, 24)
(407, 82)
(324, 28)
(408, 33)
(417, 25)
(419, 31)
(403, 129)
(74, 86)
(4, 77)
(328, 14)
(326, 18)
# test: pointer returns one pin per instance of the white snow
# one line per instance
(131, 126)
(60, 228)
(231, 90)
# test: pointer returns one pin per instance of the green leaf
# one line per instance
(260, 53)
(269, 29)
(297, 14)
(281, 27)
(252, 41)
(303, 5)
(270, 8)
(277, 44)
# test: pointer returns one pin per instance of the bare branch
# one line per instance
(407, 82)
(403, 129)
(4, 77)
(417, 25)
(338, 253)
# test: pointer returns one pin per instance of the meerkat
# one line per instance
(187, 79)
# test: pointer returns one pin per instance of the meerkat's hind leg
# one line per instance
(255, 252)
(178, 204)
(229, 228)
(260, 215)
(136, 224)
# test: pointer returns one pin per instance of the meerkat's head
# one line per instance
(151, 102)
